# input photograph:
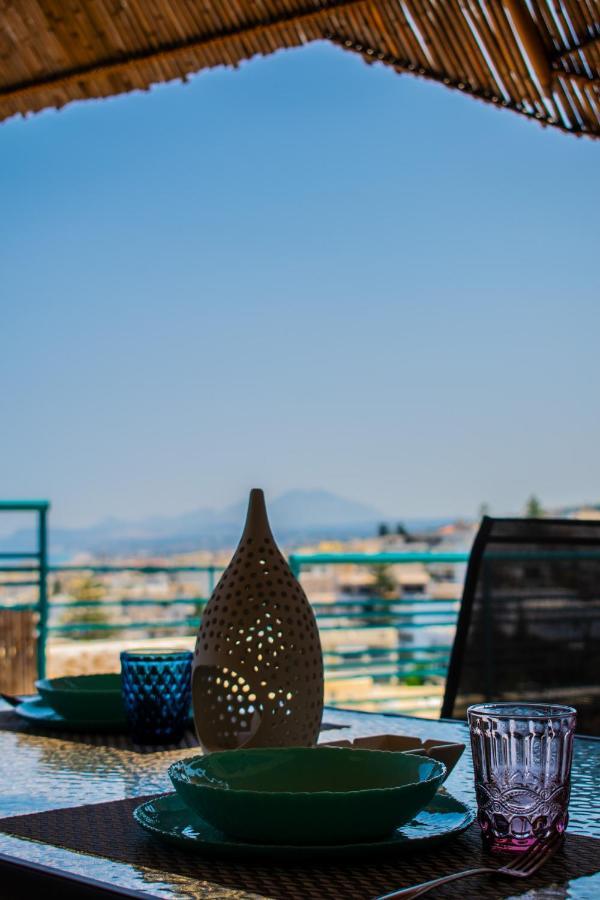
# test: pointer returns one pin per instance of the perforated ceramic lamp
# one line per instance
(258, 667)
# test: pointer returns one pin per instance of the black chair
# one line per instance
(529, 623)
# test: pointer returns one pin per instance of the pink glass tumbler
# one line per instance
(522, 760)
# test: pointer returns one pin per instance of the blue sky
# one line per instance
(305, 273)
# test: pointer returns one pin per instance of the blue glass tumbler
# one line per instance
(156, 688)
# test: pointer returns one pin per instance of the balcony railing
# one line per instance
(378, 651)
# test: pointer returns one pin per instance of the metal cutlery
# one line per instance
(521, 866)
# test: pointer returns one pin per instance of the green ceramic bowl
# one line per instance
(319, 795)
(96, 697)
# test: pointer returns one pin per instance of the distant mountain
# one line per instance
(294, 515)
(300, 510)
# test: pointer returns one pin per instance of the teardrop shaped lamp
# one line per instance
(258, 667)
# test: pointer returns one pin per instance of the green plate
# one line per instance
(84, 696)
(168, 818)
(37, 712)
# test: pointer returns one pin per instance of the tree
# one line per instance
(383, 530)
(384, 583)
(484, 510)
(533, 508)
(385, 588)
(87, 590)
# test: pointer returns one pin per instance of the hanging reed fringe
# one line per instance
(540, 58)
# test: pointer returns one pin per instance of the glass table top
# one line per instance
(42, 773)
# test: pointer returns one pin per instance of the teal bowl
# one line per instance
(318, 795)
(89, 697)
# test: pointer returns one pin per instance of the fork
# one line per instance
(522, 866)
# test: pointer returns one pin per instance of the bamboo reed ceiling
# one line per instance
(540, 58)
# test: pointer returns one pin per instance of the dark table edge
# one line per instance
(20, 878)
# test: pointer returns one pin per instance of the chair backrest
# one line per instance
(529, 623)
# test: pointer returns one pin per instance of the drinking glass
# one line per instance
(156, 693)
(522, 760)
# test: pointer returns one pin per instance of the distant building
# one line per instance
(590, 513)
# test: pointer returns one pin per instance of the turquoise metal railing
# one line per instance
(36, 565)
(124, 603)
(416, 662)
(345, 615)
(298, 561)
(351, 626)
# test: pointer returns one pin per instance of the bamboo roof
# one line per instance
(539, 58)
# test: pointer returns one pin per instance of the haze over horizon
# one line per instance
(305, 273)
(291, 510)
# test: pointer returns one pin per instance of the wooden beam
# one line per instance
(179, 49)
(578, 77)
(532, 42)
(579, 48)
